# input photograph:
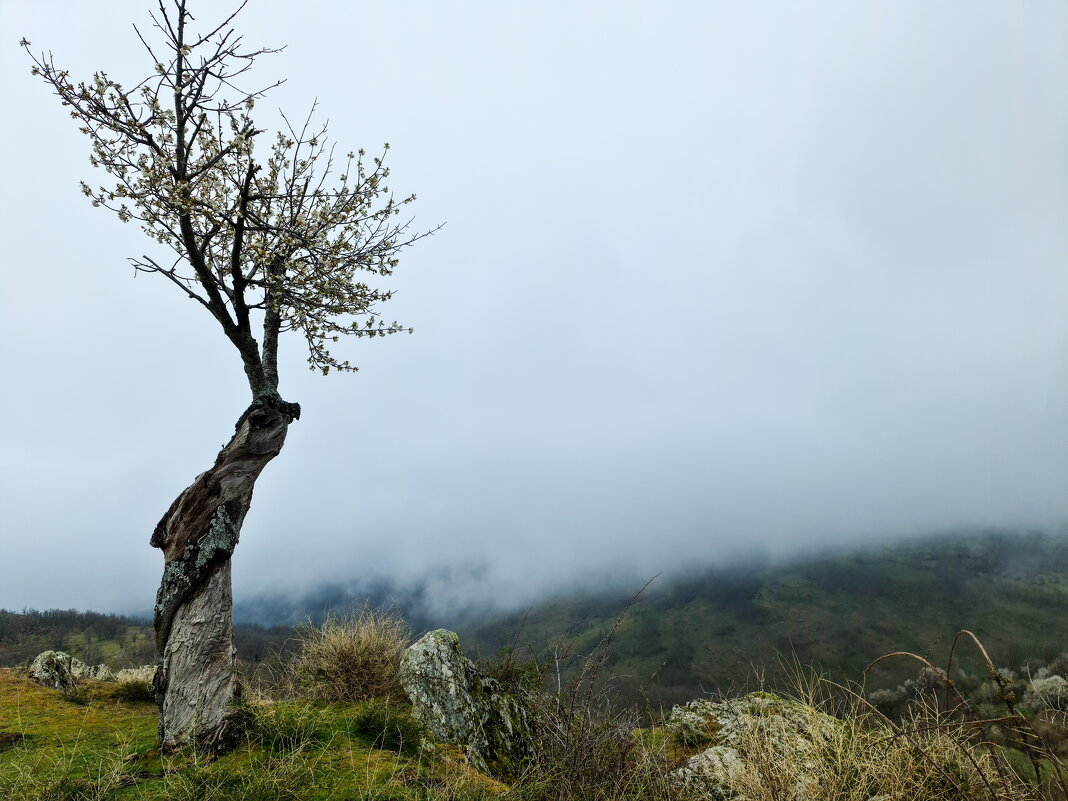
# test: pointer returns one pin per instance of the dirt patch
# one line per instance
(10, 739)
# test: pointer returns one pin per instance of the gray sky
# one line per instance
(715, 277)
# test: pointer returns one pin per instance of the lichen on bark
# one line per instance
(182, 574)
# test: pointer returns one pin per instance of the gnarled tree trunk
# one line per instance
(196, 678)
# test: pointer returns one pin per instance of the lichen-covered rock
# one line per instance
(57, 670)
(461, 706)
(715, 771)
(99, 672)
(61, 671)
(758, 726)
(144, 673)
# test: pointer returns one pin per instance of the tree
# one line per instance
(270, 243)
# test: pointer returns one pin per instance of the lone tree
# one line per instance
(268, 242)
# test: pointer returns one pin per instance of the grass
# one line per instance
(584, 749)
(68, 750)
(313, 751)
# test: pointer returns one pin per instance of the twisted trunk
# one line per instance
(196, 678)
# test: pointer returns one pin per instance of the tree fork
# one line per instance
(196, 678)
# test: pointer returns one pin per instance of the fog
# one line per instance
(715, 279)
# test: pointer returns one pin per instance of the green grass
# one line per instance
(62, 744)
(105, 750)
(302, 750)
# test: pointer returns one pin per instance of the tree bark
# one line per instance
(196, 678)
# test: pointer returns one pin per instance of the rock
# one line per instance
(715, 771)
(144, 673)
(61, 671)
(764, 725)
(58, 670)
(461, 706)
(99, 673)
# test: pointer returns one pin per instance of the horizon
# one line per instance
(284, 609)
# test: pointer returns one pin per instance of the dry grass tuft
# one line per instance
(351, 657)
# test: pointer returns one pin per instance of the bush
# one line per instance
(514, 674)
(584, 746)
(584, 741)
(76, 693)
(353, 657)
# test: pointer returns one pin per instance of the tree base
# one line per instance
(197, 681)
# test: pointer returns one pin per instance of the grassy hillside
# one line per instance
(727, 628)
(115, 640)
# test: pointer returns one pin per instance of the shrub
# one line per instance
(76, 693)
(352, 657)
(583, 746)
(585, 743)
(514, 674)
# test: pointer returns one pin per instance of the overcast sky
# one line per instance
(715, 277)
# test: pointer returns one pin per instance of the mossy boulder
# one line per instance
(462, 706)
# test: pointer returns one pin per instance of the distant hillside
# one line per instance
(116, 640)
(724, 628)
(93, 637)
(714, 629)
